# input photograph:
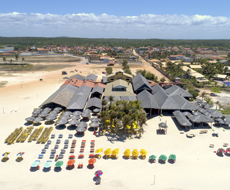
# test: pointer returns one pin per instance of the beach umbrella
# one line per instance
(81, 129)
(51, 118)
(221, 150)
(20, 153)
(68, 113)
(152, 157)
(65, 117)
(127, 152)
(38, 120)
(115, 151)
(92, 161)
(99, 150)
(6, 154)
(37, 111)
(53, 113)
(82, 125)
(96, 110)
(77, 113)
(48, 164)
(35, 164)
(85, 114)
(31, 119)
(98, 173)
(87, 111)
(75, 117)
(94, 124)
(108, 152)
(227, 149)
(70, 162)
(95, 119)
(143, 152)
(163, 125)
(43, 114)
(74, 122)
(135, 153)
(59, 164)
(172, 157)
(62, 121)
(163, 157)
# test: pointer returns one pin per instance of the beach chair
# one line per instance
(72, 150)
(73, 145)
(71, 157)
(83, 145)
(58, 141)
(53, 151)
(63, 151)
(81, 156)
(60, 136)
(83, 141)
(52, 136)
(40, 156)
(80, 165)
(92, 150)
(43, 151)
(61, 156)
(211, 145)
(56, 146)
(74, 141)
(82, 150)
(70, 136)
(66, 142)
(51, 156)
(49, 142)
(65, 146)
(91, 156)
(225, 144)
(46, 146)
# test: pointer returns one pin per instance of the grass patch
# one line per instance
(216, 89)
(3, 83)
(226, 111)
(31, 67)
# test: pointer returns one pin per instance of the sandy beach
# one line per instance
(196, 167)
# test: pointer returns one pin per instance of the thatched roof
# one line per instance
(147, 100)
(200, 118)
(176, 90)
(91, 77)
(180, 117)
(62, 96)
(183, 103)
(94, 103)
(98, 89)
(140, 83)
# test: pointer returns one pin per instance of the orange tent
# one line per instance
(70, 162)
(92, 161)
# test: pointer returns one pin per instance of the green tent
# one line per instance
(59, 164)
(163, 157)
(152, 157)
(172, 157)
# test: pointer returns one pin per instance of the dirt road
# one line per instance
(150, 68)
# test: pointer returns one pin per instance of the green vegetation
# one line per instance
(23, 42)
(109, 70)
(126, 67)
(123, 117)
(162, 79)
(31, 67)
(226, 111)
(3, 83)
(216, 89)
(194, 93)
(148, 75)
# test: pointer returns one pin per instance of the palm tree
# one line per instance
(112, 114)
(104, 103)
(16, 56)
(126, 121)
(203, 95)
(217, 104)
(4, 59)
(111, 98)
(142, 121)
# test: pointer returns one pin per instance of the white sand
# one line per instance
(197, 167)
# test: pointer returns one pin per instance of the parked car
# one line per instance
(213, 94)
(197, 90)
(190, 135)
(66, 78)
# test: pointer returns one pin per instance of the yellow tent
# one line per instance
(127, 153)
(143, 153)
(108, 152)
(99, 150)
(135, 153)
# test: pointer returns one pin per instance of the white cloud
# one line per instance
(111, 26)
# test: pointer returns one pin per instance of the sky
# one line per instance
(165, 19)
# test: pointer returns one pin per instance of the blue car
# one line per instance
(197, 90)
